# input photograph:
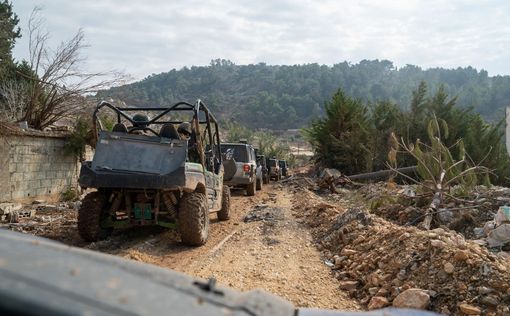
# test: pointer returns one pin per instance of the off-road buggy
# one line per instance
(147, 173)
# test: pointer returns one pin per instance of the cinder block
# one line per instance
(40, 192)
(34, 184)
(20, 150)
(47, 183)
(18, 195)
(48, 166)
(5, 196)
(35, 167)
(19, 185)
(17, 177)
(20, 167)
(29, 176)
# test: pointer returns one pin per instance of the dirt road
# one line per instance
(261, 246)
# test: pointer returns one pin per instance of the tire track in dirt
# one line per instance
(274, 252)
(163, 247)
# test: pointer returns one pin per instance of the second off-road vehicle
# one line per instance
(148, 172)
(241, 168)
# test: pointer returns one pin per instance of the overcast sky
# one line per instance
(153, 36)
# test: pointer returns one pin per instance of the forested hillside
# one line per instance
(289, 96)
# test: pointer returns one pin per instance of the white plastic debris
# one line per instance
(502, 216)
(499, 236)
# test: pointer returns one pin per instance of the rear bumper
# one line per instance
(240, 180)
(112, 179)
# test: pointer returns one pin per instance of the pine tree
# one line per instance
(342, 139)
(9, 32)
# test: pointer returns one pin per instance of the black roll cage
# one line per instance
(182, 106)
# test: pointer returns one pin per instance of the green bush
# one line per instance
(81, 136)
(69, 195)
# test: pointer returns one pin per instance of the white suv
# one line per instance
(241, 168)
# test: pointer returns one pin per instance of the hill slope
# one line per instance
(280, 97)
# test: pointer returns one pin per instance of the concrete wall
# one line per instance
(35, 167)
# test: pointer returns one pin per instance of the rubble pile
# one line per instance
(55, 221)
(382, 263)
(474, 218)
(263, 212)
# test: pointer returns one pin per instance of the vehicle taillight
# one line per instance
(246, 168)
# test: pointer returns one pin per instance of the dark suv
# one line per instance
(283, 168)
(262, 162)
(275, 173)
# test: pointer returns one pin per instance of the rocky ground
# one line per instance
(261, 246)
(370, 238)
(358, 248)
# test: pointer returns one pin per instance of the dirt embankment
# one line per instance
(381, 262)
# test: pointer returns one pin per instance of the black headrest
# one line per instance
(169, 131)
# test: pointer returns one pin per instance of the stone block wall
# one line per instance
(35, 167)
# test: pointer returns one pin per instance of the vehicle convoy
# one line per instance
(284, 168)
(149, 172)
(241, 168)
(275, 173)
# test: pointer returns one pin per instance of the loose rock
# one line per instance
(348, 252)
(449, 268)
(349, 285)
(461, 255)
(469, 309)
(378, 302)
(412, 298)
(437, 243)
(490, 300)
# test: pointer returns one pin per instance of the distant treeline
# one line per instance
(280, 97)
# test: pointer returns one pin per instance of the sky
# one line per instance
(140, 38)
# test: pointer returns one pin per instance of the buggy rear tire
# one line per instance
(224, 212)
(193, 220)
(90, 215)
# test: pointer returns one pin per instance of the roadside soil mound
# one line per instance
(374, 257)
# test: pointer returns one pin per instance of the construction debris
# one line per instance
(7, 208)
(331, 178)
(497, 232)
